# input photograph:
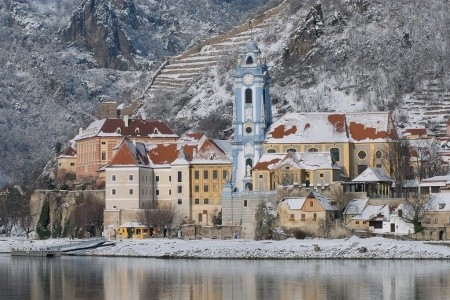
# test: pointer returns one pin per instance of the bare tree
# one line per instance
(396, 160)
(339, 198)
(415, 206)
(25, 217)
(88, 214)
(429, 162)
(10, 199)
(159, 218)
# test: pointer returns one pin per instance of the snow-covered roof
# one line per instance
(325, 127)
(356, 206)
(131, 225)
(439, 202)
(373, 175)
(443, 180)
(302, 160)
(326, 204)
(298, 202)
(295, 203)
(130, 127)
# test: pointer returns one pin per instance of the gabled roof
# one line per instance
(210, 153)
(298, 202)
(373, 175)
(443, 180)
(135, 128)
(129, 154)
(69, 153)
(356, 206)
(268, 161)
(193, 137)
(373, 126)
(166, 153)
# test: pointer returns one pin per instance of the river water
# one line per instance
(70, 277)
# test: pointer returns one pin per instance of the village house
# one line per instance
(67, 164)
(373, 216)
(312, 214)
(436, 218)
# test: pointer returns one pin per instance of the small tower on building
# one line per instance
(251, 115)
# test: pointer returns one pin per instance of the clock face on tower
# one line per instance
(248, 79)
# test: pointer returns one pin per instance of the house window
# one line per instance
(196, 175)
(249, 60)
(131, 177)
(206, 188)
(224, 174)
(206, 201)
(303, 217)
(361, 168)
(311, 203)
(334, 152)
(197, 201)
(362, 154)
(180, 201)
(200, 217)
(130, 191)
(314, 216)
(400, 213)
(364, 222)
(313, 150)
(157, 192)
(356, 222)
(72, 164)
(113, 178)
(261, 176)
(292, 217)
(321, 175)
(292, 150)
(103, 155)
(180, 176)
(170, 192)
(170, 178)
(271, 151)
(136, 130)
(441, 205)
(180, 189)
(215, 175)
(245, 203)
(196, 188)
(157, 178)
(248, 96)
(205, 174)
(103, 143)
(113, 191)
(435, 220)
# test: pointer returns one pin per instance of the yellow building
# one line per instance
(133, 230)
(210, 169)
(312, 213)
(67, 163)
(355, 141)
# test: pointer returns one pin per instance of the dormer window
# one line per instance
(249, 60)
(137, 130)
(441, 205)
(118, 130)
(155, 131)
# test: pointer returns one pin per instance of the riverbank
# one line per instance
(351, 248)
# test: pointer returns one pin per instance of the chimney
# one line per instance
(126, 120)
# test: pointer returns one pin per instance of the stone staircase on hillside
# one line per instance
(430, 106)
(181, 70)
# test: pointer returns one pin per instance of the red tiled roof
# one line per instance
(196, 136)
(127, 156)
(264, 166)
(338, 121)
(281, 131)
(163, 153)
(360, 132)
(70, 152)
(145, 127)
(416, 131)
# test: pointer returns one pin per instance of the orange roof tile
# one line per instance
(163, 153)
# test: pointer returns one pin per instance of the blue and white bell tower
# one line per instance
(252, 115)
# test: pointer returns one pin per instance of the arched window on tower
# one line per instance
(248, 96)
(249, 60)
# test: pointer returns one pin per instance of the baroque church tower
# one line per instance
(252, 115)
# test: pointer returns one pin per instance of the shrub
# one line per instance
(299, 234)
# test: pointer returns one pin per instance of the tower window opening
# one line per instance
(249, 60)
(248, 96)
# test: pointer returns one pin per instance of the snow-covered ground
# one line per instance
(352, 248)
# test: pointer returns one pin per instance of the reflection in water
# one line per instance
(140, 278)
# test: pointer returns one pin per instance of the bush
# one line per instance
(299, 234)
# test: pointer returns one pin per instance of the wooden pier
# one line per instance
(36, 253)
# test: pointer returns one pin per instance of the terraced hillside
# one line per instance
(181, 70)
(430, 106)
